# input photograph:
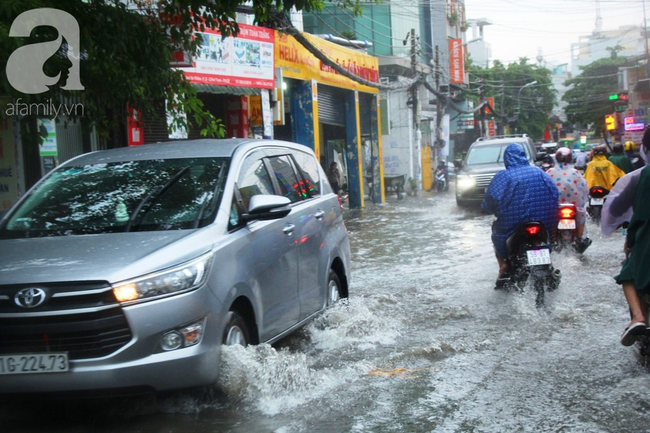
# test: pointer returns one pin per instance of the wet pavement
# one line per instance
(425, 344)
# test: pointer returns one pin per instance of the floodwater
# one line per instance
(425, 344)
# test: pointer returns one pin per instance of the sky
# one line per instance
(520, 27)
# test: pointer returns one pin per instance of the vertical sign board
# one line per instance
(134, 126)
(8, 163)
(456, 61)
(48, 149)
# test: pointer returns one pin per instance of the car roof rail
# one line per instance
(503, 136)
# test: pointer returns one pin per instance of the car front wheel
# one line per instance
(333, 289)
(236, 330)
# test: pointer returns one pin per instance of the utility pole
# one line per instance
(417, 134)
(482, 115)
(502, 110)
(438, 144)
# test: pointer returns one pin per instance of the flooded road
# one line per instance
(425, 344)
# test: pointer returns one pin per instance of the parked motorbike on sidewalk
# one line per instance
(597, 196)
(529, 262)
(441, 176)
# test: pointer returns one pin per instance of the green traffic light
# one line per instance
(613, 97)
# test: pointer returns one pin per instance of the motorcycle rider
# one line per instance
(442, 167)
(620, 159)
(518, 194)
(628, 202)
(581, 160)
(635, 157)
(602, 172)
(573, 189)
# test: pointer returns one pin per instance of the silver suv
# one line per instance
(129, 268)
(483, 160)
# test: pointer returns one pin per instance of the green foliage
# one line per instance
(588, 97)
(525, 109)
(126, 53)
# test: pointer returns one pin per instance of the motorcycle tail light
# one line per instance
(567, 213)
(532, 230)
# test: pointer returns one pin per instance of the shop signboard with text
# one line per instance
(456, 61)
(297, 62)
(242, 61)
(8, 161)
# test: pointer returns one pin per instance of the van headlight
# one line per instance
(182, 278)
(464, 182)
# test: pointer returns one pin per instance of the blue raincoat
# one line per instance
(520, 193)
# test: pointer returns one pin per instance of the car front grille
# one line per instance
(83, 319)
(483, 180)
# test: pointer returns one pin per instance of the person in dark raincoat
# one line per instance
(628, 201)
(518, 194)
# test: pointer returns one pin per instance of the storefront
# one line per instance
(332, 114)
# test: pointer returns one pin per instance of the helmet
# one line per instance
(629, 146)
(618, 148)
(564, 155)
(600, 150)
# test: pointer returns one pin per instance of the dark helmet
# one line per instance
(564, 155)
(600, 150)
(618, 148)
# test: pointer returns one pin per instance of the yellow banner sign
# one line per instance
(297, 62)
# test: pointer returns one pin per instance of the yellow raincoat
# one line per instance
(602, 172)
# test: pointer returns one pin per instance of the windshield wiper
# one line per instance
(155, 194)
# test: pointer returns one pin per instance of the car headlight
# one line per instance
(464, 182)
(183, 278)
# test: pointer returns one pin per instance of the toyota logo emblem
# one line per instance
(30, 298)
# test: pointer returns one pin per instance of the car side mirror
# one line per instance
(267, 207)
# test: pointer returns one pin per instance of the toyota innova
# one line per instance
(130, 268)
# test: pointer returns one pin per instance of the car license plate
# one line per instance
(29, 363)
(566, 224)
(596, 201)
(538, 257)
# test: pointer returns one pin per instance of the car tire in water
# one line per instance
(333, 289)
(236, 330)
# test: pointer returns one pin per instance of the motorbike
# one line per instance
(565, 235)
(529, 262)
(597, 195)
(441, 179)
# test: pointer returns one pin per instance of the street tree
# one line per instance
(523, 94)
(588, 95)
(124, 53)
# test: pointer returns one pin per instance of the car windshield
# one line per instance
(489, 154)
(121, 196)
(486, 154)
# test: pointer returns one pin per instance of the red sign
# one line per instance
(456, 61)
(490, 103)
(134, 126)
(492, 129)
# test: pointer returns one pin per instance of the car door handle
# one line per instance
(288, 229)
(319, 215)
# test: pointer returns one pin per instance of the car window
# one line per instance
(253, 179)
(121, 196)
(309, 168)
(284, 173)
(485, 155)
